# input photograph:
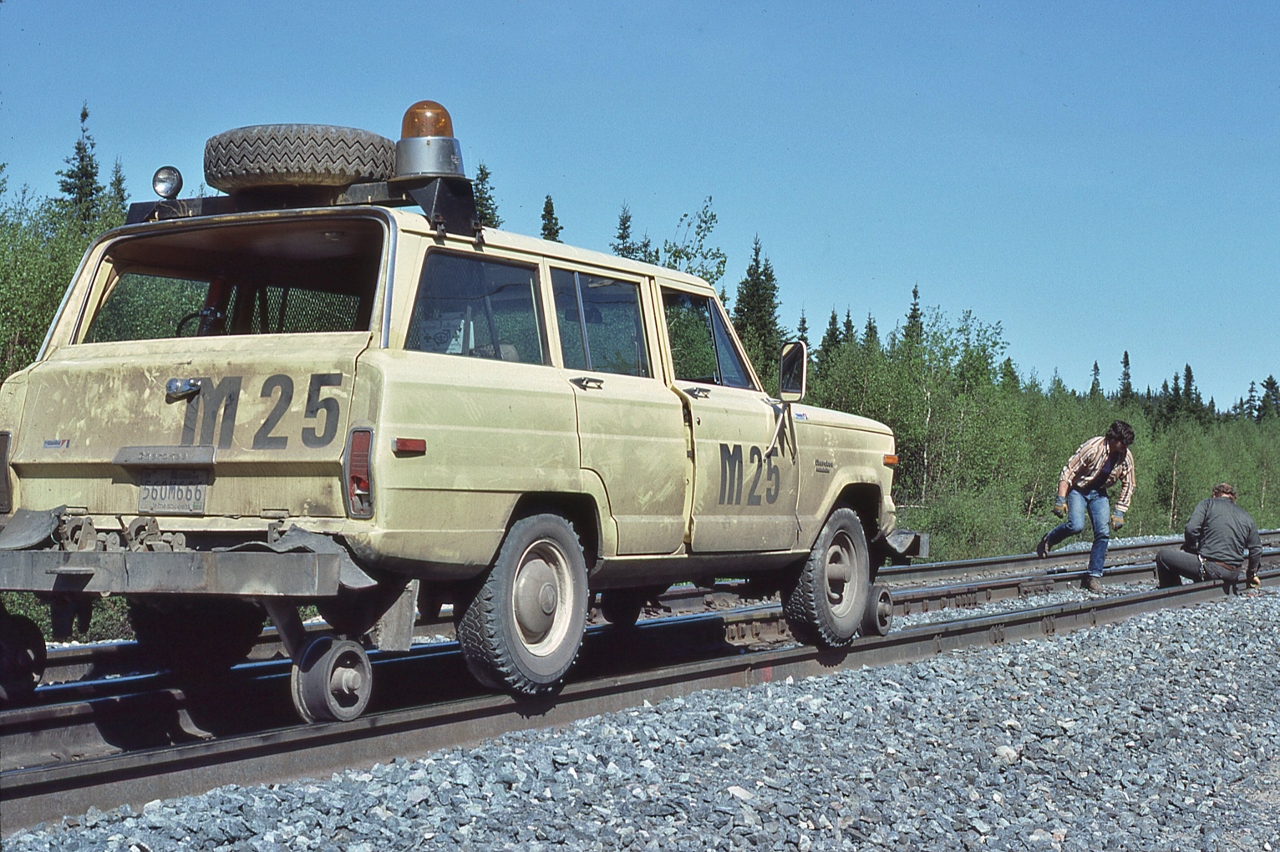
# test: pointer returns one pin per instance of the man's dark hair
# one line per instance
(1120, 431)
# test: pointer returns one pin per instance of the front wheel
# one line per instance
(826, 601)
(522, 628)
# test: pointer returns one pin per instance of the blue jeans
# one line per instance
(1099, 509)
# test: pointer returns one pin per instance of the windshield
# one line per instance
(279, 277)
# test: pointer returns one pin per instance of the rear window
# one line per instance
(289, 277)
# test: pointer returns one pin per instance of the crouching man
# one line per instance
(1218, 537)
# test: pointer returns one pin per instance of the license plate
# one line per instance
(173, 492)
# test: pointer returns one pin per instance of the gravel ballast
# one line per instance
(1154, 734)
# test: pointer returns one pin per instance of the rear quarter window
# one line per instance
(477, 308)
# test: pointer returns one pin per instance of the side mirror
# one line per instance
(793, 370)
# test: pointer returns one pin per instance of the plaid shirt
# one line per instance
(1083, 467)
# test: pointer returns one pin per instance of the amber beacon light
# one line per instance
(427, 147)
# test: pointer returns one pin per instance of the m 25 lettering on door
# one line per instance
(211, 414)
(766, 478)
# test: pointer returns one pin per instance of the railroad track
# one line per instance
(143, 738)
(915, 588)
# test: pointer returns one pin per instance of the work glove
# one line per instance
(1117, 520)
(1253, 581)
(1060, 507)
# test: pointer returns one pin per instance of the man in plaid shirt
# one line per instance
(1082, 488)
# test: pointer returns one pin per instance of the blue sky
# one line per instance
(1095, 177)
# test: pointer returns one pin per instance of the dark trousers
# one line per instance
(1174, 563)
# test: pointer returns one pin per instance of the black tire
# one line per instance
(22, 659)
(522, 627)
(622, 607)
(825, 604)
(282, 155)
(196, 637)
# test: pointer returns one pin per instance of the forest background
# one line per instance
(980, 445)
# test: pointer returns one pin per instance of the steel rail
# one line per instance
(43, 793)
(1119, 553)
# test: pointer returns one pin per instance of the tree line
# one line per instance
(980, 444)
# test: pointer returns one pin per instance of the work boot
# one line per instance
(1093, 584)
(1042, 549)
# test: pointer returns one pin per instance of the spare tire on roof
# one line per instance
(281, 155)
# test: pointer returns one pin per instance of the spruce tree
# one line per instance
(624, 245)
(913, 333)
(486, 205)
(550, 224)
(79, 185)
(827, 347)
(802, 331)
(870, 334)
(1269, 402)
(1126, 383)
(1095, 387)
(755, 309)
(115, 203)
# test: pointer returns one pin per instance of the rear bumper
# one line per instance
(243, 573)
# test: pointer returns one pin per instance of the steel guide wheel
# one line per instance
(331, 681)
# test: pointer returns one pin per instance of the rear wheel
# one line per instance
(826, 601)
(522, 627)
(622, 607)
(198, 637)
(22, 658)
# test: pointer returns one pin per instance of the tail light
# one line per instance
(358, 473)
(6, 488)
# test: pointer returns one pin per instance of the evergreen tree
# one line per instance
(1269, 402)
(1095, 387)
(1190, 392)
(79, 183)
(755, 309)
(827, 348)
(847, 333)
(624, 245)
(802, 331)
(870, 334)
(486, 205)
(115, 203)
(1126, 384)
(913, 332)
(550, 224)
(1251, 402)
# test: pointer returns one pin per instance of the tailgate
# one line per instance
(244, 426)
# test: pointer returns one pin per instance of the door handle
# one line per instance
(588, 382)
(698, 393)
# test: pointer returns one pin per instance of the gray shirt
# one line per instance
(1222, 531)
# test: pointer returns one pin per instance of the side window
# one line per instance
(600, 323)
(701, 348)
(477, 308)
